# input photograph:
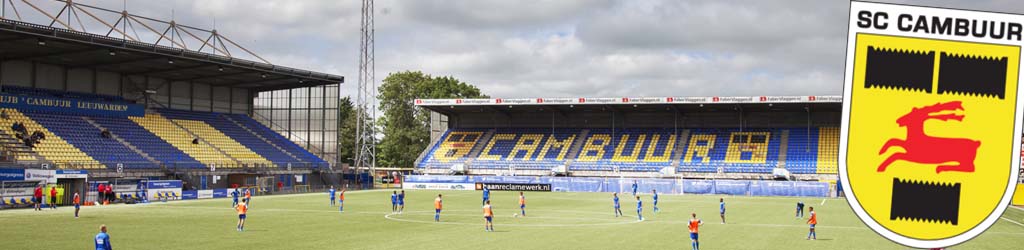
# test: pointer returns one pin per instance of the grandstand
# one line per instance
(114, 106)
(689, 137)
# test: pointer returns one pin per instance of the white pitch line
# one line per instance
(1011, 221)
(388, 216)
(823, 201)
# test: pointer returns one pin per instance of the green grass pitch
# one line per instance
(554, 221)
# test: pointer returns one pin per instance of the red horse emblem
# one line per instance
(921, 148)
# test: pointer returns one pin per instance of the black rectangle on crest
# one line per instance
(972, 75)
(899, 69)
(925, 201)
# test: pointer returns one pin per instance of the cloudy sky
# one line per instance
(553, 48)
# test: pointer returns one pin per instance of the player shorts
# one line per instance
(401, 203)
(77, 206)
(241, 216)
(437, 211)
(722, 212)
(53, 200)
(522, 206)
(488, 218)
(616, 206)
(812, 226)
(693, 236)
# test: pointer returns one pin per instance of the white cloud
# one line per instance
(545, 48)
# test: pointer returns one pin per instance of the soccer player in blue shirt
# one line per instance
(615, 198)
(639, 208)
(655, 191)
(234, 198)
(331, 192)
(394, 201)
(487, 195)
(721, 208)
(634, 187)
(401, 202)
(102, 240)
(800, 209)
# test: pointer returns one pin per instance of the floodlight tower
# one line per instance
(365, 148)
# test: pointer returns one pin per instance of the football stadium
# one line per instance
(111, 139)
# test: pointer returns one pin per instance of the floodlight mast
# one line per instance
(365, 148)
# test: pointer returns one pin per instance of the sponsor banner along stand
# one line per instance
(155, 187)
(535, 187)
(439, 186)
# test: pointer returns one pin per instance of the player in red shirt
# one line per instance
(99, 192)
(110, 192)
(53, 197)
(37, 197)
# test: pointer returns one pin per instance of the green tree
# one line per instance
(346, 130)
(406, 127)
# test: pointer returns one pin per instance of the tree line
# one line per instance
(405, 128)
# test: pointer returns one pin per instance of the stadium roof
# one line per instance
(76, 49)
(712, 103)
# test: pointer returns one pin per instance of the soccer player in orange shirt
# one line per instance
(437, 208)
(341, 201)
(242, 209)
(522, 203)
(694, 225)
(78, 202)
(488, 217)
(813, 221)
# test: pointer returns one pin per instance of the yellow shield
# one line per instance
(930, 135)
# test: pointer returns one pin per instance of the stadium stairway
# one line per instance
(228, 137)
(222, 142)
(85, 137)
(480, 145)
(291, 157)
(21, 152)
(576, 147)
(122, 141)
(53, 148)
(802, 151)
(783, 146)
(138, 137)
(277, 139)
(181, 138)
(433, 144)
(684, 137)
